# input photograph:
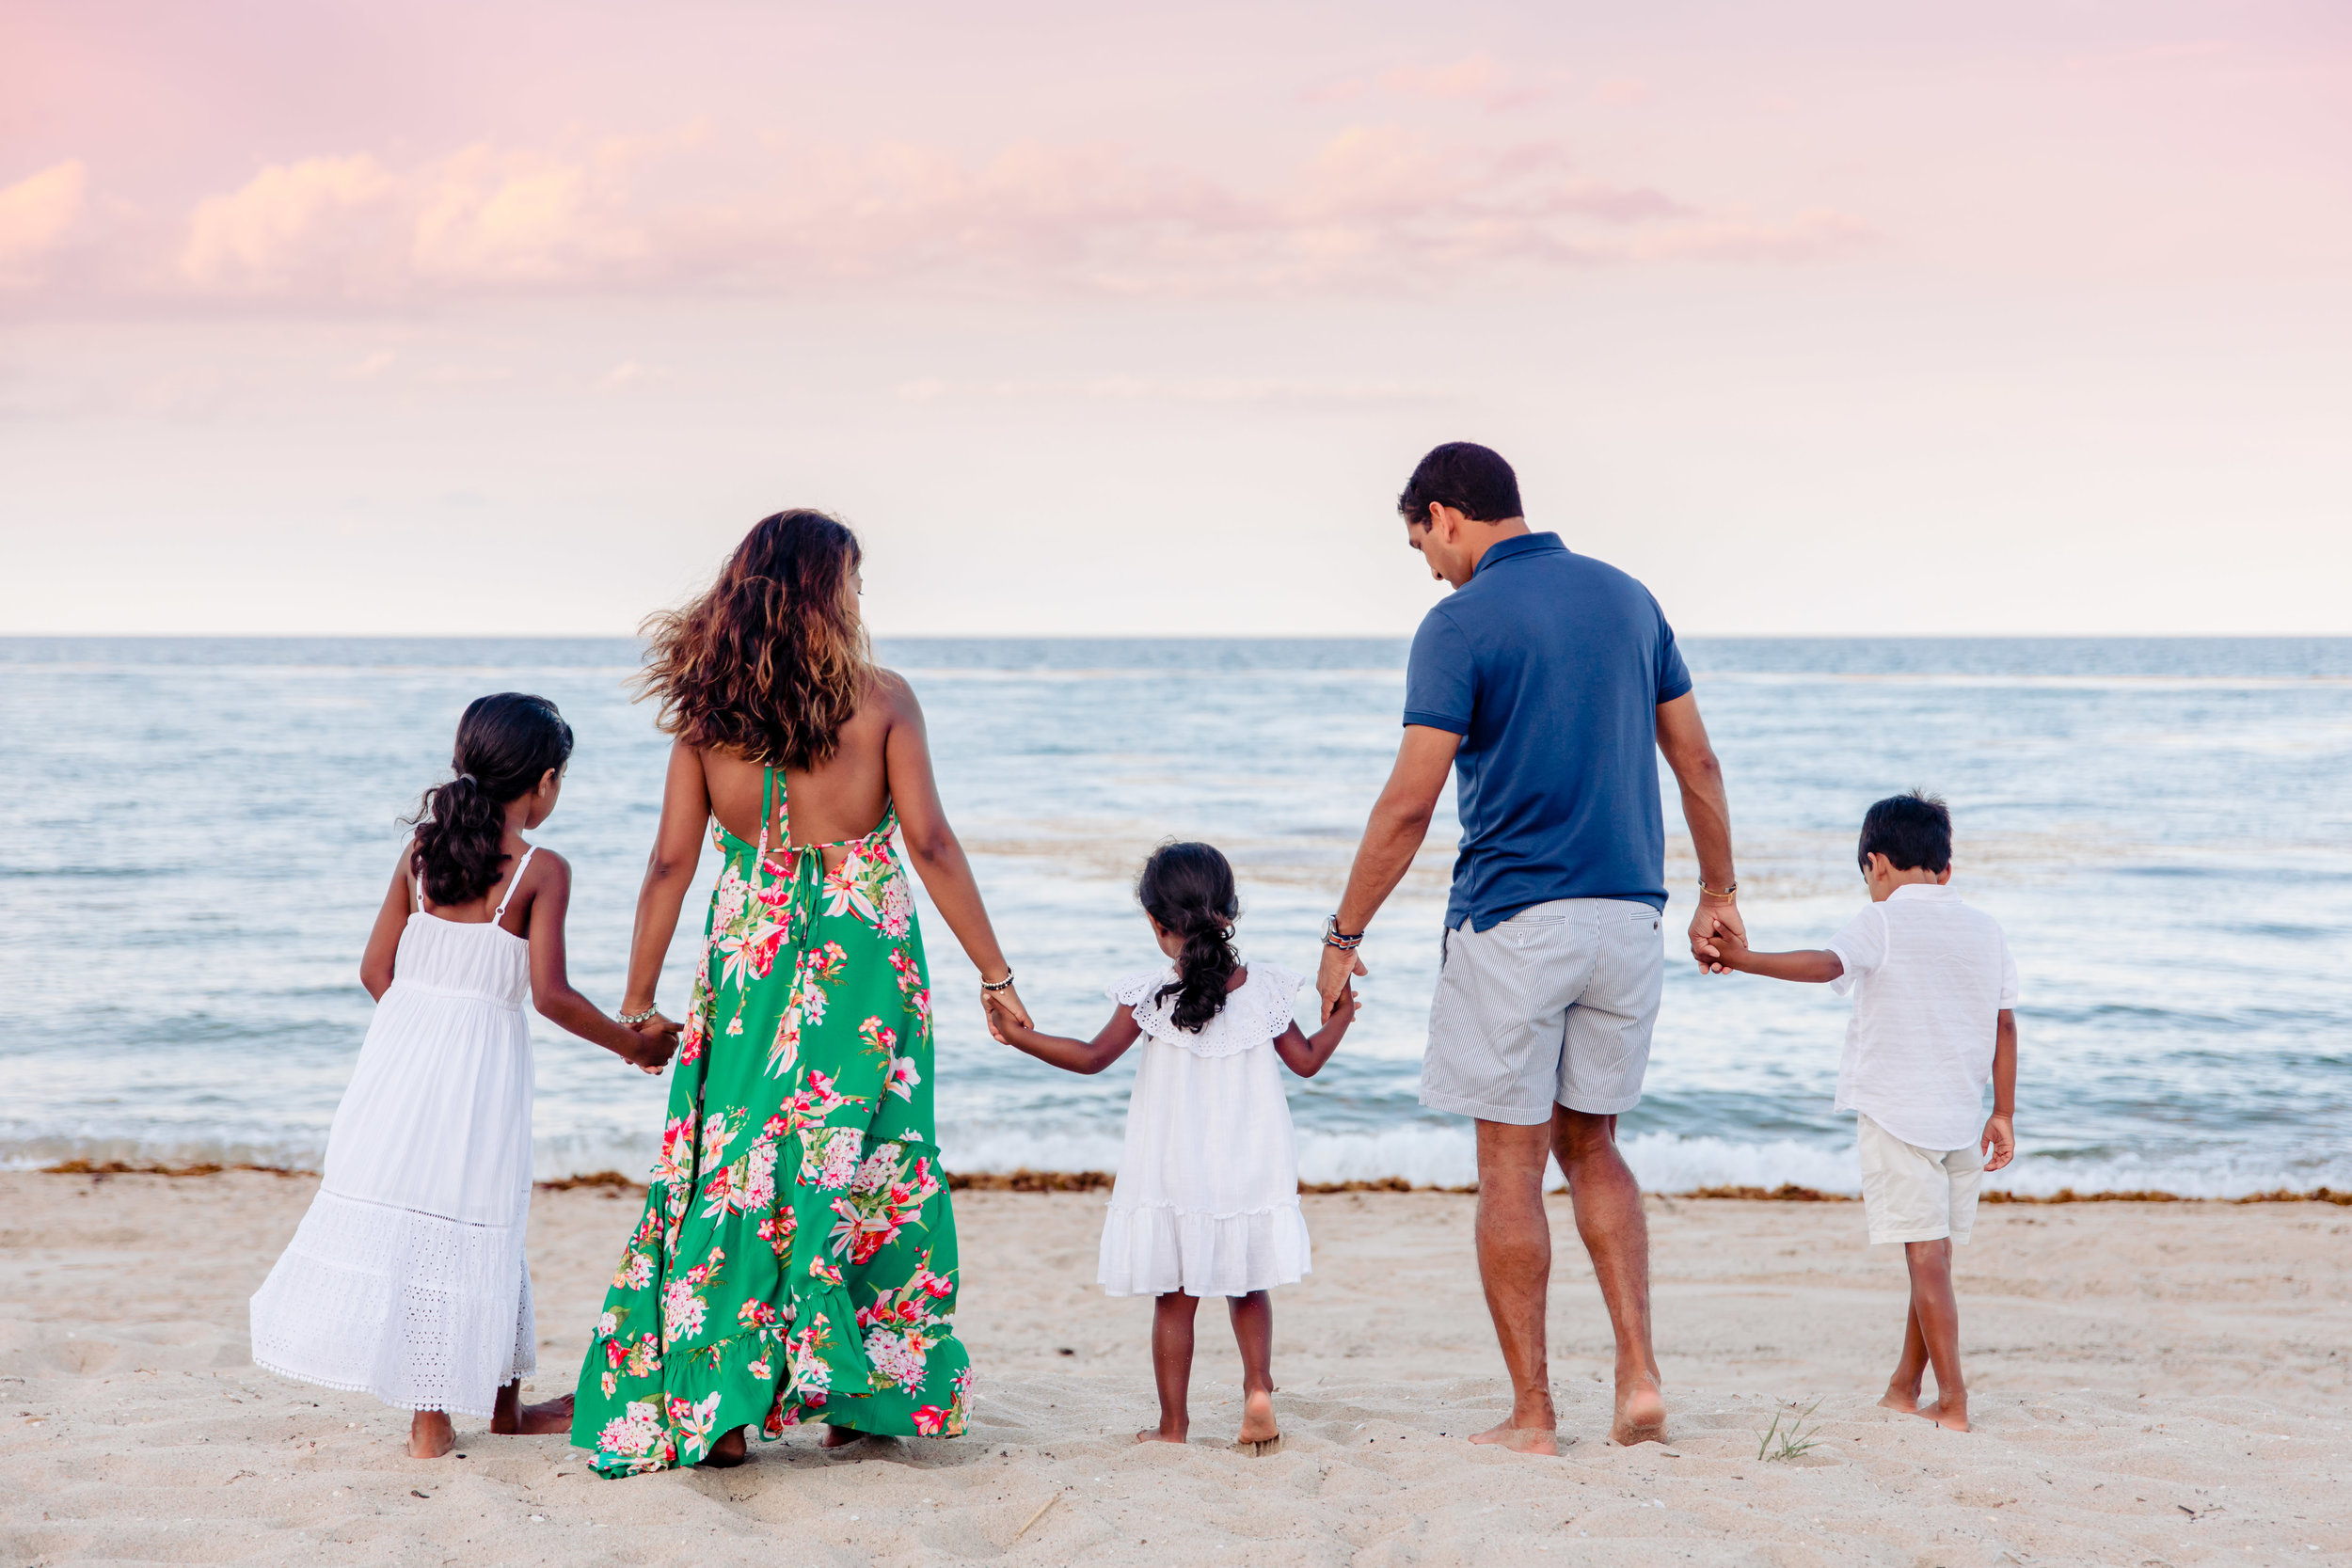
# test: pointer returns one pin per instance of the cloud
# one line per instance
(1373, 207)
(1198, 389)
(1476, 80)
(36, 215)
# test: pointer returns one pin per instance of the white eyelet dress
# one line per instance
(1207, 1196)
(407, 1278)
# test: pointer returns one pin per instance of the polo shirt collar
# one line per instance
(1523, 544)
(1923, 889)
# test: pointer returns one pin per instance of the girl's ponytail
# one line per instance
(506, 744)
(1188, 888)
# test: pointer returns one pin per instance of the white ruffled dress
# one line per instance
(1207, 1196)
(407, 1278)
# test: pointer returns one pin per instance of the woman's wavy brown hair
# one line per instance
(772, 659)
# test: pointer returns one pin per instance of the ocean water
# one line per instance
(195, 834)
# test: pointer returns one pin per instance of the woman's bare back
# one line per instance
(844, 797)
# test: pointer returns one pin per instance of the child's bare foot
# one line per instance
(1538, 1440)
(1259, 1437)
(1904, 1400)
(1167, 1431)
(430, 1436)
(1951, 1414)
(726, 1453)
(839, 1437)
(1641, 1410)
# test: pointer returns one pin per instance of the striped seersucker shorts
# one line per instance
(1552, 1007)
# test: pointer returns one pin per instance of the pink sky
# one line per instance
(1835, 318)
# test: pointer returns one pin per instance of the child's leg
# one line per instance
(1937, 1312)
(510, 1416)
(1902, 1389)
(1253, 1333)
(1171, 1365)
(430, 1436)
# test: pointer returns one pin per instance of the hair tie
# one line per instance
(467, 778)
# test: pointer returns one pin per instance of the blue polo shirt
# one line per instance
(1551, 667)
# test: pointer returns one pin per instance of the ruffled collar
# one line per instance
(1254, 1013)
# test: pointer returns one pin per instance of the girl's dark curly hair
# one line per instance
(772, 659)
(505, 745)
(1188, 888)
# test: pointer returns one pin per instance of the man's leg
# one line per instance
(1609, 1217)
(1515, 1265)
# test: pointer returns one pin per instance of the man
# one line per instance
(1547, 678)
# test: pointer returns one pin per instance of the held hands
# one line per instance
(1001, 1008)
(1715, 925)
(1331, 979)
(657, 1043)
(1999, 1143)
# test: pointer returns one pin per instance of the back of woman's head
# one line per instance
(772, 659)
(506, 744)
(1188, 888)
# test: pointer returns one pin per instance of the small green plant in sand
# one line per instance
(1793, 1440)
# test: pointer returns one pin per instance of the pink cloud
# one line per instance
(36, 213)
(1374, 207)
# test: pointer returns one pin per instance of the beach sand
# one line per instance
(2151, 1383)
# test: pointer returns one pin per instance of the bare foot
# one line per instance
(1538, 1440)
(1162, 1434)
(839, 1437)
(430, 1436)
(1640, 1411)
(727, 1452)
(1897, 1399)
(1951, 1417)
(1259, 1437)
(548, 1415)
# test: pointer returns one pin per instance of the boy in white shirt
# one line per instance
(1934, 989)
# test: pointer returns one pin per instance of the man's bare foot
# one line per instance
(727, 1452)
(1897, 1399)
(1536, 1440)
(1163, 1433)
(839, 1437)
(1953, 1417)
(1640, 1411)
(430, 1436)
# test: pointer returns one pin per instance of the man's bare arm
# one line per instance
(1707, 809)
(1399, 823)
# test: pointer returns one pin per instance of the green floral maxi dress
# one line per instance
(797, 1255)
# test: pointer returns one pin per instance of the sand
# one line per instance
(2152, 1384)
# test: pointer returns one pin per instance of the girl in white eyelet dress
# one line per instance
(1207, 1203)
(407, 1278)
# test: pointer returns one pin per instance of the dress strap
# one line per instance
(415, 881)
(512, 883)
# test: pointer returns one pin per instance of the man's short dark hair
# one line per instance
(1914, 831)
(1472, 478)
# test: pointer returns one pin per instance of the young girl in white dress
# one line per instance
(1207, 1203)
(407, 1278)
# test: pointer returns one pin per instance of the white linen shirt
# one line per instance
(1929, 976)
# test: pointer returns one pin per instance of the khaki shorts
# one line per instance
(1915, 1195)
(1552, 1007)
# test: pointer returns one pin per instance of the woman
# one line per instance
(797, 1255)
